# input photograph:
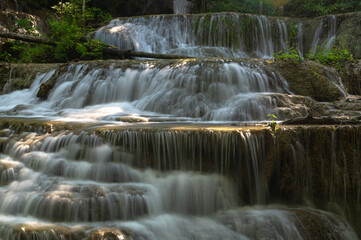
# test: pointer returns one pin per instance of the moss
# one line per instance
(313, 225)
(46, 87)
(308, 78)
(292, 31)
(351, 77)
(22, 75)
(196, 25)
(349, 34)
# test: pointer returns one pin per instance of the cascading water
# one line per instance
(141, 149)
(327, 42)
(166, 89)
(331, 36)
(283, 35)
(300, 39)
(90, 182)
(316, 37)
(181, 6)
(211, 35)
(7, 86)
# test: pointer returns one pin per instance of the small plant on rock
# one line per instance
(335, 57)
(273, 125)
(291, 54)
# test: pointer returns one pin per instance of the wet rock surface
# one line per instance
(20, 76)
(308, 78)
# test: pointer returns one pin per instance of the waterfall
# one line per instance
(316, 37)
(327, 41)
(181, 6)
(283, 35)
(193, 89)
(198, 35)
(143, 181)
(300, 40)
(331, 36)
(7, 86)
(263, 36)
(180, 148)
(24, 97)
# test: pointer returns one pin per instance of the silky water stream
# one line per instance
(160, 149)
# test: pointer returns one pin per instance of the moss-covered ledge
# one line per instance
(17, 76)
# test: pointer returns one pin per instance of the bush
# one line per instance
(314, 8)
(68, 32)
(243, 6)
(290, 54)
(335, 57)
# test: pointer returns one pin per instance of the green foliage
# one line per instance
(91, 49)
(36, 53)
(17, 51)
(273, 125)
(313, 8)
(71, 43)
(5, 56)
(335, 57)
(290, 54)
(68, 32)
(243, 6)
(23, 26)
(292, 31)
(71, 12)
(66, 36)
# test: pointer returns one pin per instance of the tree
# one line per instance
(243, 6)
(67, 32)
(313, 8)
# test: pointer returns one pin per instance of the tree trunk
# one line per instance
(61, 9)
(115, 52)
(26, 38)
(260, 6)
(83, 13)
(109, 50)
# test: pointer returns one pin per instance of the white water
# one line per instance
(216, 35)
(332, 32)
(300, 39)
(68, 182)
(151, 184)
(325, 43)
(316, 37)
(7, 86)
(181, 6)
(208, 90)
(21, 99)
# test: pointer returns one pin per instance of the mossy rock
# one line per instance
(309, 78)
(21, 75)
(313, 224)
(349, 33)
(351, 78)
(46, 87)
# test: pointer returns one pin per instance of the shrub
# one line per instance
(290, 54)
(313, 8)
(335, 57)
(243, 6)
(68, 31)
